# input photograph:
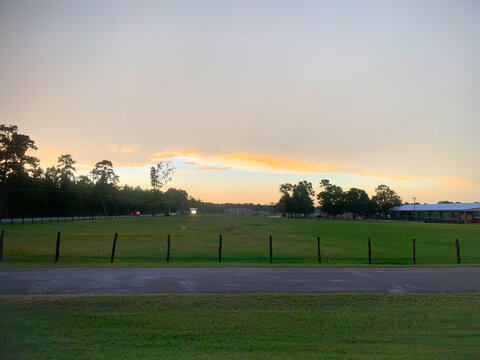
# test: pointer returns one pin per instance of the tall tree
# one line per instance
(160, 175)
(103, 173)
(386, 199)
(296, 199)
(65, 168)
(175, 199)
(357, 201)
(14, 160)
(332, 198)
(52, 177)
(302, 198)
(285, 204)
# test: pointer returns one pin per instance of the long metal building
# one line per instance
(448, 213)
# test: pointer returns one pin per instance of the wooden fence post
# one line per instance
(2, 234)
(271, 252)
(369, 251)
(414, 260)
(457, 244)
(220, 248)
(168, 248)
(113, 247)
(318, 250)
(57, 248)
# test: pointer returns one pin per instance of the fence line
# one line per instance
(220, 247)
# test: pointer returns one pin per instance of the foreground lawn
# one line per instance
(362, 326)
(194, 242)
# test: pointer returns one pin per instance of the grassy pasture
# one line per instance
(255, 326)
(142, 242)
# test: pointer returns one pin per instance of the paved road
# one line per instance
(23, 281)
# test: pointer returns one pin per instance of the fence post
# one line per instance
(113, 247)
(57, 248)
(271, 253)
(369, 251)
(168, 248)
(220, 248)
(414, 260)
(318, 250)
(2, 234)
(457, 244)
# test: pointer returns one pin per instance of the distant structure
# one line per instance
(317, 213)
(242, 212)
(447, 213)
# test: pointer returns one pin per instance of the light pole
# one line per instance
(414, 213)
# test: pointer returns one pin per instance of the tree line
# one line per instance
(297, 200)
(27, 190)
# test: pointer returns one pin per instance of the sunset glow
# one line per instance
(242, 97)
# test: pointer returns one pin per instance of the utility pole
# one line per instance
(414, 213)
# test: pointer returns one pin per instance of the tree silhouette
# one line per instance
(160, 175)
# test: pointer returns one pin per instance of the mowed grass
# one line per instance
(194, 242)
(255, 326)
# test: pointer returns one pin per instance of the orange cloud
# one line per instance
(285, 163)
(167, 155)
(255, 162)
(278, 163)
(282, 163)
(460, 182)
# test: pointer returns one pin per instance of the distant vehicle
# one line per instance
(193, 211)
(135, 213)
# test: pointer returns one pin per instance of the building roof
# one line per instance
(440, 207)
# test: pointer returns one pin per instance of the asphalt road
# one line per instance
(46, 281)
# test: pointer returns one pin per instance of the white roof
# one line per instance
(440, 207)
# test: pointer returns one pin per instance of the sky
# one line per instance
(242, 96)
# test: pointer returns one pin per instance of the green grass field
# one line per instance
(360, 326)
(142, 242)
